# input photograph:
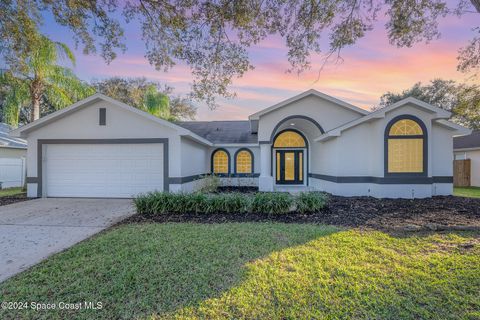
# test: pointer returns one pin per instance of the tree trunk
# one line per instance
(36, 94)
(476, 4)
(35, 109)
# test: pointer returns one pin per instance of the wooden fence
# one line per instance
(461, 173)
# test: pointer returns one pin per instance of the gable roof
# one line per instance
(380, 113)
(471, 141)
(22, 131)
(222, 131)
(311, 92)
(8, 141)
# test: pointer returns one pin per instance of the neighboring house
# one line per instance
(100, 147)
(13, 153)
(468, 147)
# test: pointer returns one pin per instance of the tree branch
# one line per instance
(476, 4)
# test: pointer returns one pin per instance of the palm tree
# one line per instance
(42, 77)
(156, 103)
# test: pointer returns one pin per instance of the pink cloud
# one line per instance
(371, 67)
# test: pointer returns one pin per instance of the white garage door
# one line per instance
(102, 170)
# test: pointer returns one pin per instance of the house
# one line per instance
(468, 147)
(99, 147)
(13, 154)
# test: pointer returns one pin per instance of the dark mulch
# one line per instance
(393, 213)
(12, 199)
(237, 189)
(359, 212)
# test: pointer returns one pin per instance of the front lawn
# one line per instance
(256, 271)
(11, 192)
(471, 192)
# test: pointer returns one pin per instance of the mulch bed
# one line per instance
(237, 189)
(437, 213)
(13, 199)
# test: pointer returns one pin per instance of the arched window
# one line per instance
(220, 162)
(244, 161)
(289, 139)
(406, 146)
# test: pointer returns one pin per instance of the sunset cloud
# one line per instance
(370, 68)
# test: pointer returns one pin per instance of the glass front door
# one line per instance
(289, 165)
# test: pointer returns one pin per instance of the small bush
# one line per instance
(272, 203)
(308, 202)
(228, 203)
(210, 184)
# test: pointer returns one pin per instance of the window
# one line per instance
(244, 162)
(220, 162)
(289, 139)
(405, 143)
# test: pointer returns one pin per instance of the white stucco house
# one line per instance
(100, 147)
(468, 147)
(13, 156)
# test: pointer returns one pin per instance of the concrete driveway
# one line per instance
(32, 230)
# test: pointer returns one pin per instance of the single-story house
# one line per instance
(13, 155)
(100, 147)
(468, 147)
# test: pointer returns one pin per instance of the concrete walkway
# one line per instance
(32, 230)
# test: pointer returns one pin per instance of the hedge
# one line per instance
(231, 203)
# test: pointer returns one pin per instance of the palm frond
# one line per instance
(65, 52)
(14, 100)
(63, 81)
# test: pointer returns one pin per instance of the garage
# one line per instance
(102, 170)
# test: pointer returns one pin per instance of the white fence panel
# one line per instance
(12, 172)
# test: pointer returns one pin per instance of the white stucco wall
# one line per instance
(12, 153)
(442, 156)
(326, 113)
(120, 124)
(474, 156)
(195, 157)
(359, 151)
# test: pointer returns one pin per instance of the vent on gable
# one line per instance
(102, 116)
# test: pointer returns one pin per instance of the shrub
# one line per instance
(153, 202)
(272, 203)
(228, 203)
(163, 202)
(210, 183)
(231, 203)
(308, 202)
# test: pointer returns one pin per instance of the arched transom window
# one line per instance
(289, 139)
(220, 162)
(406, 141)
(243, 162)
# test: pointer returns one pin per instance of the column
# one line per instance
(265, 182)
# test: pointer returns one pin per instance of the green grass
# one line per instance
(257, 271)
(470, 192)
(11, 191)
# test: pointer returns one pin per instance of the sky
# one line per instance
(370, 68)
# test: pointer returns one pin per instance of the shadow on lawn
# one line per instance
(137, 270)
(356, 274)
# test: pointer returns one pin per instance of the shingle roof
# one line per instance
(222, 131)
(469, 141)
(7, 141)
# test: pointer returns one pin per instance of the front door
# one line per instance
(289, 166)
